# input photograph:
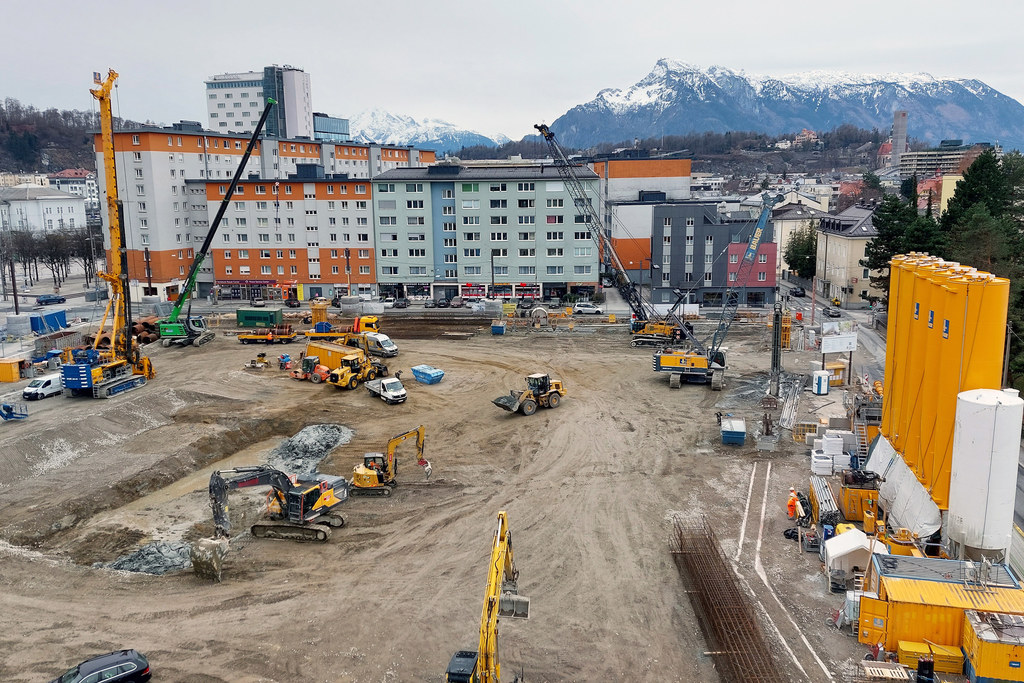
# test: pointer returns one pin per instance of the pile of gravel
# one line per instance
(154, 558)
(303, 452)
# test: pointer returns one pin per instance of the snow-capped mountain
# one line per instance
(679, 98)
(384, 127)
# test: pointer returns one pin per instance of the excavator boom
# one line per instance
(173, 330)
(501, 599)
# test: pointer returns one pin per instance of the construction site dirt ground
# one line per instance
(592, 489)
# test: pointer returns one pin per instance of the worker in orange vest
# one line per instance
(791, 505)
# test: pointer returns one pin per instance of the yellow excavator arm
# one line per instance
(393, 443)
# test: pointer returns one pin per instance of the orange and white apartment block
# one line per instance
(300, 222)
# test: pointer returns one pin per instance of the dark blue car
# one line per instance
(44, 299)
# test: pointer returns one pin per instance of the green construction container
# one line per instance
(259, 317)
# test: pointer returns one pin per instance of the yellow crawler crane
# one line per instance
(500, 600)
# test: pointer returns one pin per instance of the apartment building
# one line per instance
(234, 101)
(40, 209)
(504, 231)
(842, 239)
(696, 248)
(789, 219)
(169, 181)
(949, 158)
(78, 181)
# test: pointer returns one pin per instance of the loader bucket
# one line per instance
(507, 402)
(207, 555)
(514, 606)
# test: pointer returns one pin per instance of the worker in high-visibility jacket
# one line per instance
(792, 504)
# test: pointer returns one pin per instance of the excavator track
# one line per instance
(378, 491)
(318, 533)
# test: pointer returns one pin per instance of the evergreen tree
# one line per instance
(984, 182)
(801, 252)
(986, 242)
(891, 219)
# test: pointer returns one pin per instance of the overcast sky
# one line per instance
(494, 67)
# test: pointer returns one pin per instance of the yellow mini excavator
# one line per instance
(376, 476)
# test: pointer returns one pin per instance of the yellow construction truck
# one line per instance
(356, 367)
(279, 334)
(541, 391)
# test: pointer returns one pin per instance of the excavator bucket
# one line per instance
(514, 606)
(507, 402)
(207, 555)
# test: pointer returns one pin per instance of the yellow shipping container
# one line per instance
(994, 645)
(9, 370)
(949, 659)
(919, 610)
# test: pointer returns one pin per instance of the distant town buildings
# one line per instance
(78, 181)
(12, 179)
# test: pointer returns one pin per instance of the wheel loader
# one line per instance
(356, 367)
(541, 391)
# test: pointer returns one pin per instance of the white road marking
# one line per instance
(746, 510)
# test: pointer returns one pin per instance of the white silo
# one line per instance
(986, 444)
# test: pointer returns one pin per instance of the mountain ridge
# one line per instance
(677, 98)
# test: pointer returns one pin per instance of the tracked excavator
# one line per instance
(501, 599)
(376, 476)
(299, 507)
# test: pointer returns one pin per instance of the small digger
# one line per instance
(540, 391)
(376, 475)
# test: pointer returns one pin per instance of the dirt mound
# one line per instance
(302, 453)
(155, 558)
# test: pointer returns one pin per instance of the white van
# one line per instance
(41, 387)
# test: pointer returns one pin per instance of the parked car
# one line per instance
(526, 304)
(429, 303)
(831, 312)
(401, 302)
(457, 302)
(41, 387)
(797, 292)
(292, 303)
(585, 307)
(389, 302)
(44, 299)
(319, 300)
(443, 303)
(122, 666)
(257, 302)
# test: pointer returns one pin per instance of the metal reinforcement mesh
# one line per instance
(726, 615)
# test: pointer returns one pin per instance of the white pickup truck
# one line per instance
(388, 389)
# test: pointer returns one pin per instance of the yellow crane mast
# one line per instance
(95, 373)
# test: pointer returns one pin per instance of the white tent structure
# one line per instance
(851, 549)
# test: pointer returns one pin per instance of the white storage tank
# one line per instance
(983, 482)
(819, 382)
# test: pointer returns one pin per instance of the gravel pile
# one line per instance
(155, 558)
(303, 452)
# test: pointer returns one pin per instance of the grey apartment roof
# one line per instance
(796, 212)
(855, 222)
(23, 194)
(453, 173)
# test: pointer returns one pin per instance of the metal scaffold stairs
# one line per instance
(861, 430)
